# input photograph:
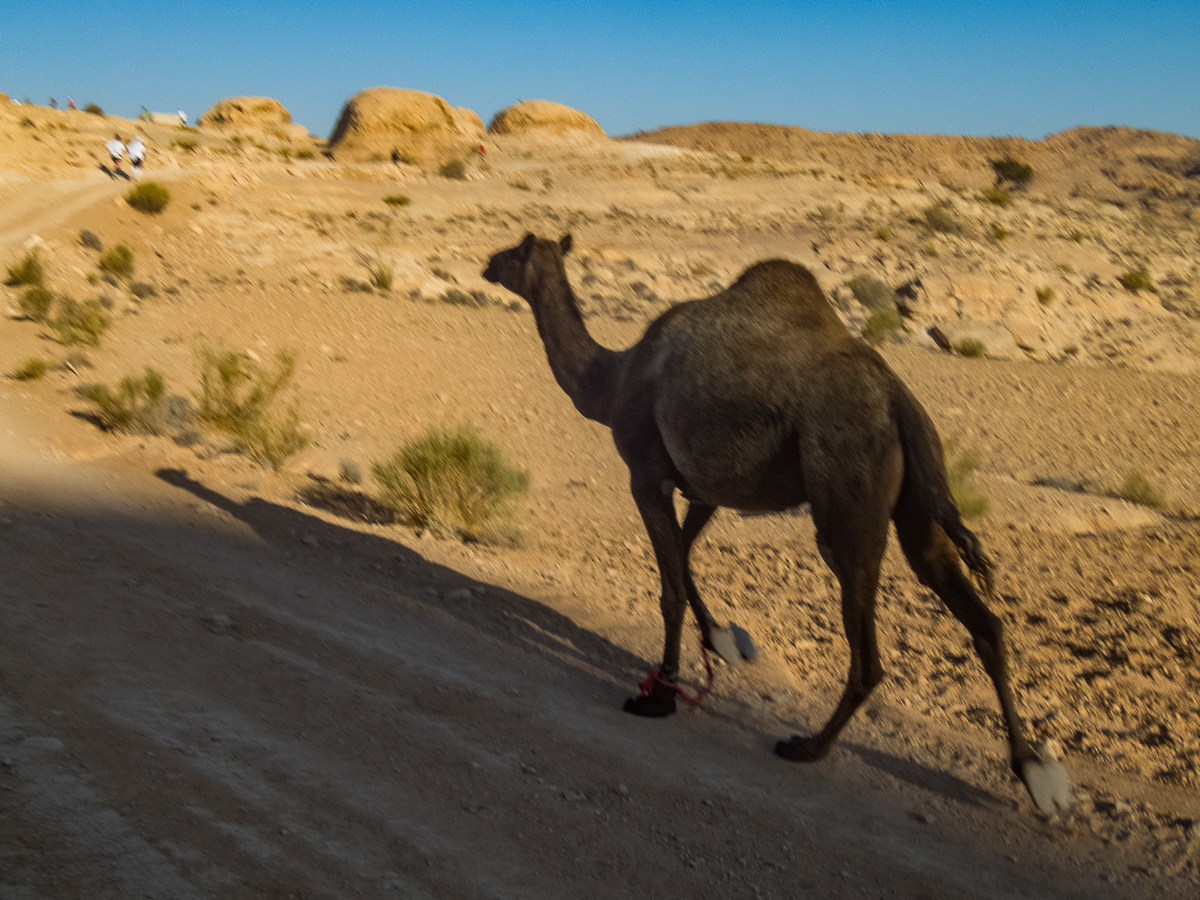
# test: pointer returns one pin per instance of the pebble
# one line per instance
(310, 541)
(45, 744)
(459, 595)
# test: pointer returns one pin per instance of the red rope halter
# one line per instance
(653, 678)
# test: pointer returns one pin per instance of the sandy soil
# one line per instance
(221, 681)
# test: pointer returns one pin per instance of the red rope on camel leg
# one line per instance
(653, 678)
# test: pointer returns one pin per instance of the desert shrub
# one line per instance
(397, 200)
(141, 290)
(350, 471)
(455, 169)
(451, 482)
(520, 184)
(148, 197)
(960, 468)
(1045, 295)
(883, 233)
(28, 123)
(185, 144)
(94, 109)
(1137, 280)
(381, 276)
(871, 292)
(1137, 488)
(32, 369)
(30, 270)
(271, 440)
(880, 324)
(939, 218)
(117, 260)
(79, 323)
(128, 407)
(1001, 196)
(90, 240)
(35, 304)
(237, 397)
(1077, 236)
(1009, 169)
(304, 153)
(1000, 233)
(971, 347)
(455, 297)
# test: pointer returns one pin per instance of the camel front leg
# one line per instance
(658, 515)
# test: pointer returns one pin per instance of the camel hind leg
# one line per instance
(935, 561)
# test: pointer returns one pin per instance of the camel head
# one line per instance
(519, 267)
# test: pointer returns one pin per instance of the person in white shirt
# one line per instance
(116, 150)
(137, 153)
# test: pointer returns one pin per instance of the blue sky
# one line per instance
(976, 68)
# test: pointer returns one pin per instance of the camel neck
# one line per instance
(583, 368)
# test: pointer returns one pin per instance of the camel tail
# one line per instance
(925, 476)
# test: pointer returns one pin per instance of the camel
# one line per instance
(759, 399)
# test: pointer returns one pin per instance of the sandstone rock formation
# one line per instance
(418, 124)
(251, 113)
(543, 116)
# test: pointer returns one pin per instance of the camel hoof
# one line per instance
(745, 643)
(1048, 784)
(798, 749)
(723, 642)
(658, 704)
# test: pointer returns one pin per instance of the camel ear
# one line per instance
(566, 243)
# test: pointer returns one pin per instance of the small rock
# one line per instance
(459, 595)
(621, 790)
(45, 744)
(310, 541)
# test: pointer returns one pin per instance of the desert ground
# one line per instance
(223, 680)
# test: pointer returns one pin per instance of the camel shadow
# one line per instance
(391, 566)
(507, 616)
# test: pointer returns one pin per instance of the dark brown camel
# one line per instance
(758, 398)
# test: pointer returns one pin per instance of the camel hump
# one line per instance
(782, 283)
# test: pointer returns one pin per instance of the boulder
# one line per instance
(420, 125)
(251, 113)
(543, 116)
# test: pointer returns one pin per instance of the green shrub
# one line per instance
(1009, 169)
(880, 324)
(397, 200)
(304, 153)
(94, 109)
(117, 260)
(79, 323)
(149, 197)
(971, 347)
(1000, 233)
(939, 218)
(883, 233)
(141, 290)
(186, 144)
(520, 184)
(1137, 280)
(871, 292)
(998, 195)
(35, 304)
(1045, 295)
(455, 169)
(381, 276)
(30, 270)
(272, 441)
(90, 240)
(1137, 488)
(32, 369)
(455, 297)
(451, 482)
(130, 406)
(960, 468)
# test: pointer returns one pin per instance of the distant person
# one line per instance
(144, 115)
(53, 103)
(116, 150)
(70, 103)
(482, 152)
(137, 153)
(395, 156)
(183, 118)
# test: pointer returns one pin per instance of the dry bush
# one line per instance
(30, 270)
(35, 304)
(118, 261)
(79, 323)
(397, 200)
(451, 482)
(455, 169)
(32, 369)
(871, 292)
(1139, 489)
(1137, 280)
(139, 405)
(960, 468)
(237, 397)
(880, 324)
(973, 348)
(148, 197)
